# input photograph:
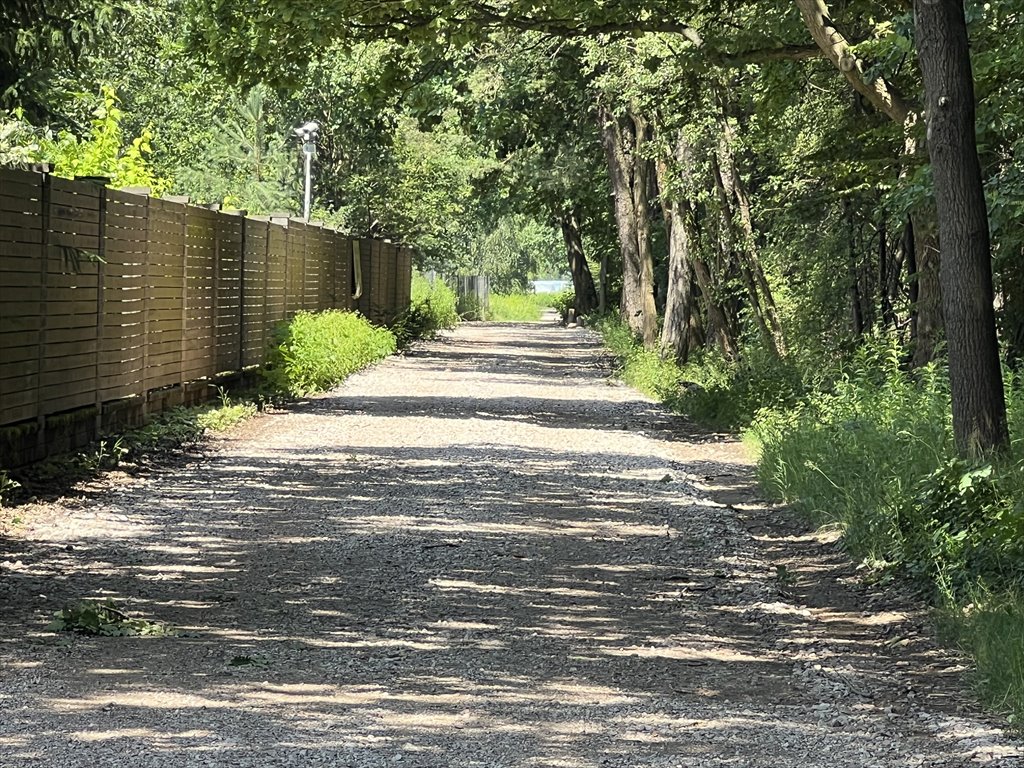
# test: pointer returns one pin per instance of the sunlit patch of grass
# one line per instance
(519, 307)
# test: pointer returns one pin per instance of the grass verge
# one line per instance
(867, 446)
(519, 307)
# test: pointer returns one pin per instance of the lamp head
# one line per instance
(307, 130)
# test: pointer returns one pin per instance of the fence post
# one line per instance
(100, 303)
(241, 296)
(183, 201)
(44, 269)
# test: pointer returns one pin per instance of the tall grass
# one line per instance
(519, 307)
(867, 446)
(432, 308)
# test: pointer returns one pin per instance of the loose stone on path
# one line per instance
(485, 553)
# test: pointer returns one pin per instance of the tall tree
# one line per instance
(624, 137)
(979, 410)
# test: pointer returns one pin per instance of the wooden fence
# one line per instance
(112, 301)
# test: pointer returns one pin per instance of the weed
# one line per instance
(563, 301)
(247, 661)
(7, 485)
(316, 351)
(90, 617)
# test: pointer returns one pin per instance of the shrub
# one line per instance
(316, 351)
(854, 453)
(431, 309)
(642, 368)
(563, 301)
(709, 389)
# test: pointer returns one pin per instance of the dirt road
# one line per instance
(485, 553)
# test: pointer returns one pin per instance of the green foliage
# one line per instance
(228, 414)
(250, 163)
(640, 367)
(19, 141)
(990, 627)
(965, 523)
(709, 390)
(317, 350)
(562, 302)
(853, 453)
(431, 309)
(91, 617)
(7, 485)
(37, 41)
(104, 152)
(518, 249)
(526, 307)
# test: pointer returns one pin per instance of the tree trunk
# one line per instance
(754, 262)
(622, 137)
(1012, 294)
(582, 280)
(675, 333)
(852, 272)
(735, 252)
(975, 377)
(719, 328)
(736, 208)
(928, 325)
(877, 90)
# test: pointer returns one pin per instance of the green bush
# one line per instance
(316, 351)
(563, 301)
(431, 309)
(709, 390)
(639, 367)
(854, 453)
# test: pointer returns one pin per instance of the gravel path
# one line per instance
(482, 554)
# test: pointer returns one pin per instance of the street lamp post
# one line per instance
(308, 133)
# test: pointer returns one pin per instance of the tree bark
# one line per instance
(927, 328)
(622, 138)
(879, 92)
(852, 272)
(582, 280)
(975, 377)
(675, 333)
(733, 252)
(718, 328)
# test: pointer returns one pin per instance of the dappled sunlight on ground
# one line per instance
(472, 556)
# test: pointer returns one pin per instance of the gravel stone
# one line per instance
(486, 553)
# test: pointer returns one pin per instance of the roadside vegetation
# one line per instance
(432, 308)
(867, 446)
(314, 352)
(519, 307)
(317, 350)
